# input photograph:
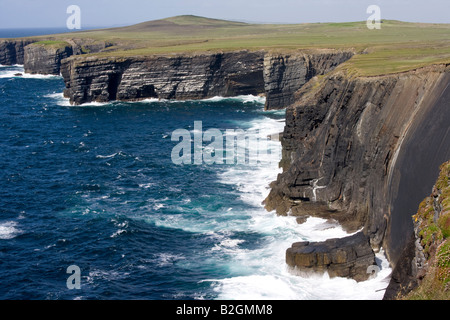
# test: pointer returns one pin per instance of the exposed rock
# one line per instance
(45, 59)
(348, 257)
(86, 46)
(164, 77)
(302, 220)
(39, 58)
(195, 77)
(347, 151)
(284, 74)
(12, 51)
(404, 277)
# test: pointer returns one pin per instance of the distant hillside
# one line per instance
(179, 24)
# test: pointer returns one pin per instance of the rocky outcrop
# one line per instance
(196, 76)
(164, 77)
(45, 59)
(363, 150)
(284, 74)
(349, 257)
(45, 56)
(13, 51)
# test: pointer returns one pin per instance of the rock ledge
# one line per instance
(348, 257)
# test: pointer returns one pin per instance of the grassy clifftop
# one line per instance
(396, 47)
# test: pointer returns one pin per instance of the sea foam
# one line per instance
(8, 230)
(17, 71)
(265, 274)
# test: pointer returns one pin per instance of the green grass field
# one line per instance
(397, 46)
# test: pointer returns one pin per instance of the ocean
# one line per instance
(95, 186)
(29, 32)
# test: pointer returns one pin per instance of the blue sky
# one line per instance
(102, 13)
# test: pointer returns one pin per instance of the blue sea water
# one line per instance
(94, 186)
(29, 32)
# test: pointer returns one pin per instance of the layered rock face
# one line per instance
(45, 59)
(181, 77)
(13, 51)
(284, 74)
(195, 77)
(277, 75)
(40, 58)
(349, 257)
(346, 151)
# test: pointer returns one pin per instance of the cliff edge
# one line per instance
(365, 151)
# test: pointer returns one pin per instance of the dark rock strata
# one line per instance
(163, 77)
(13, 51)
(349, 257)
(195, 76)
(352, 147)
(284, 74)
(45, 59)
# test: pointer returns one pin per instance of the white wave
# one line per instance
(147, 185)
(263, 271)
(118, 233)
(8, 230)
(17, 71)
(65, 102)
(59, 98)
(281, 285)
(227, 244)
(95, 104)
(265, 275)
(107, 157)
(40, 76)
(167, 259)
(242, 98)
(151, 100)
(108, 275)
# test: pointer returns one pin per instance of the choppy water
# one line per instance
(95, 186)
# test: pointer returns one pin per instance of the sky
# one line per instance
(107, 13)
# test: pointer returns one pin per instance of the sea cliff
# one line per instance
(89, 78)
(196, 76)
(365, 151)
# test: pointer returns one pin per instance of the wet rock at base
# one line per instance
(348, 257)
